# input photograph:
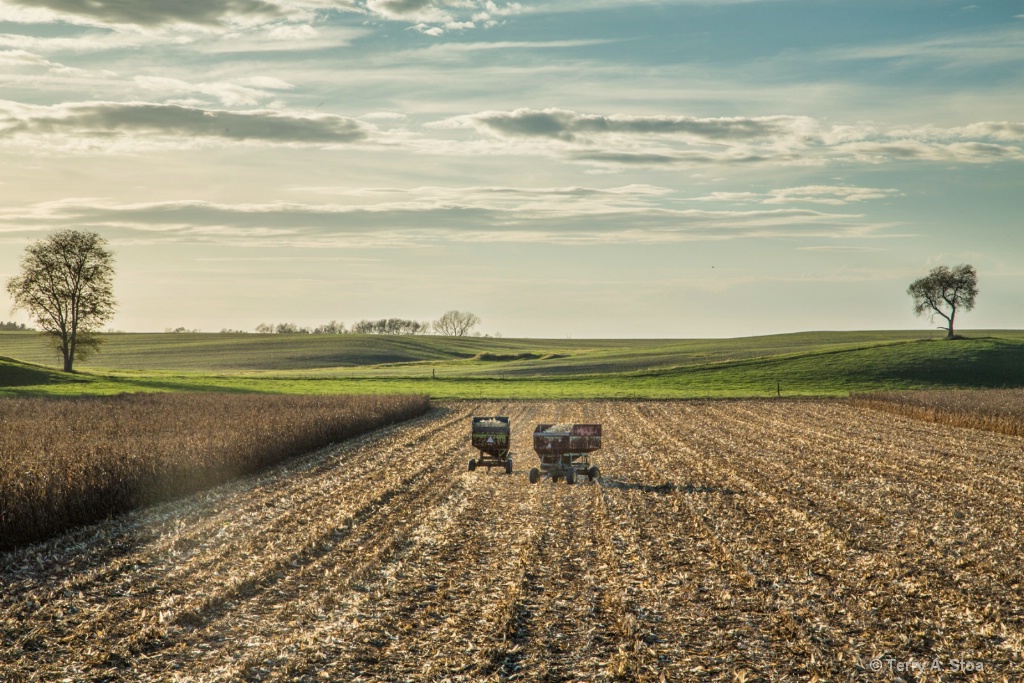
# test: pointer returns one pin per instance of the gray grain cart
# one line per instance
(491, 438)
(564, 451)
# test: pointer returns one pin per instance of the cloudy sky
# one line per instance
(602, 168)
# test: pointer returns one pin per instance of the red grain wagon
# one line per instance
(564, 451)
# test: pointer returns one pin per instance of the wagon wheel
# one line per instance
(555, 478)
(508, 466)
(593, 473)
(570, 477)
(534, 475)
(472, 465)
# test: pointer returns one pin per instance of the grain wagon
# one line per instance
(491, 438)
(564, 451)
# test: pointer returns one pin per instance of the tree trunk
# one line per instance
(68, 349)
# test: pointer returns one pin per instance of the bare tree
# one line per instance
(945, 289)
(290, 328)
(389, 326)
(333, 327)
(66, 285)
(456, 323)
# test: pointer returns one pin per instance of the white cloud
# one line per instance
(428, 30)
(245, 92)
(276, 38)
(412, 10)
(459, 50)
(230, 94)
(831, 195)
(997, 130)
(114, 12)
(435, 17)
(437, 216)
(87, 41)
(22, 57)
(621, 141)
(548, 201)
(605, 142)
(100, 123)
(570, 126)
(970, 152)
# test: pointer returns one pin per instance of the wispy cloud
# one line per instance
(202, 12)
(996, 130)
(992, 46)
(66, 125)
(512, 201)
(447, 52)
(435, 216)
(908, 149)
(21, 58)
(831, 195)
(571, 126)
(838, 247)
(247, 92)
(83, 41)
(668, 141)
(435, 17)
(613, 141)
(299, 35)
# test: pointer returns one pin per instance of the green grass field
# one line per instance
(801, 364)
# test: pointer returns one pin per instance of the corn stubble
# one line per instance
(65, 462)
(734, 541)
(995, 410)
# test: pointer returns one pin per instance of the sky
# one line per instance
(561, 168)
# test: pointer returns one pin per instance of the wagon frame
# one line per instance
(565, 454)
(491, 436)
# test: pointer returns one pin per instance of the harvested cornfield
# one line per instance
(65, 462)
(726, 541)
(995, 410)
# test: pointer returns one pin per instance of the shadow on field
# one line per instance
(667, 487)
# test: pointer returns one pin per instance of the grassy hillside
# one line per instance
(812, 363)
(15, 373)
(387, 354)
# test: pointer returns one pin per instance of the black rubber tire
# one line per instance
(508, 466)
(555, 478)
(472, 465)
(593, 473)
(570, 477)
(534, 475)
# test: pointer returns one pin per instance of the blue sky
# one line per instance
(585, 169)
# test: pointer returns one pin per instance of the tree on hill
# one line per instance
(943, 292)
(456, 323)
(66, 285)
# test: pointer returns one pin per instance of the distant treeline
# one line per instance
(15, 327)
(382, 326)
(451, 324)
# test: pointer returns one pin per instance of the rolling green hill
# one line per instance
(809, 363)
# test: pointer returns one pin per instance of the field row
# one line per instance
(738, 541)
